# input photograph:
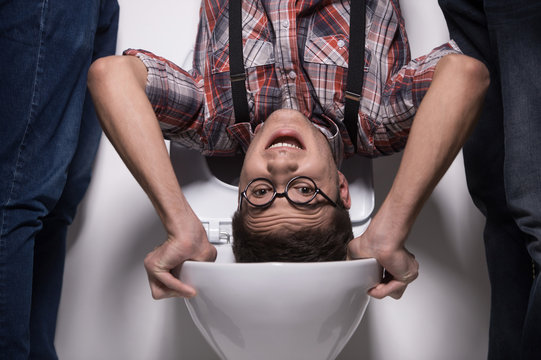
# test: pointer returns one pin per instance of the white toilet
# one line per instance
(261, 311)
(280, 311)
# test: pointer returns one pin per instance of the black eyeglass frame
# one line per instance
(276, 194)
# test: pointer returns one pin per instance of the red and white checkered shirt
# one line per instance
(296, 56)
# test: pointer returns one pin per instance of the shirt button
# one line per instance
(285, 23)
(292, 75)
(341, 43)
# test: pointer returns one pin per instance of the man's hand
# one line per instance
(400, 265)
(164, 262)
(117, 85)
(443, 121)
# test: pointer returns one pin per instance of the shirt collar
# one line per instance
(334, 139)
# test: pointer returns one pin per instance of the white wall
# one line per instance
(107, 311)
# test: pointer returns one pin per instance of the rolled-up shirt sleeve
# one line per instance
(401, 97)
(176, 95)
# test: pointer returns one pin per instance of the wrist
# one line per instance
(178, 217)
(390, 226)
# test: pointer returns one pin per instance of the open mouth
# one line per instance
(287, 139)
(286, 142)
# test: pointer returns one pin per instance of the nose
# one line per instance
(282, 165)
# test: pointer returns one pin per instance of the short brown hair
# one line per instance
(328, 243)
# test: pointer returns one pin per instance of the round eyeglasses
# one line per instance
(300, 190)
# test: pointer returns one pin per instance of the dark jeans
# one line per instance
(48, 139)
(503, 162)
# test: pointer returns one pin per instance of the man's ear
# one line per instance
(343, 190)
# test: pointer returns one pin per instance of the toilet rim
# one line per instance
(281, 265)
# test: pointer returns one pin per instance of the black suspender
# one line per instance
(355, 77)
(236, 62)
(354, 87)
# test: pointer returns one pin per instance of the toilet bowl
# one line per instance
(285, 311)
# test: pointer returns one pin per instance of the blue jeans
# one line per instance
(48, 138)
(503, 163)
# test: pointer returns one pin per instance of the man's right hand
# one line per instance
(384, 240)
(164, 262)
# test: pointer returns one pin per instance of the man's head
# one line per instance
(286, 147)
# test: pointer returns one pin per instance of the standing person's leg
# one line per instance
(509, 264)
(47, 48)
(50, 243)
(516, 29)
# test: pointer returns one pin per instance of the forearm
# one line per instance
(443, 121)
(117, 85)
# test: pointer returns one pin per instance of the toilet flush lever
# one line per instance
(219, 231)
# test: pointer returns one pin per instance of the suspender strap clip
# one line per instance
(353, 96)
(238, 77)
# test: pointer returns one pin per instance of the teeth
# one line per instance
(282, 144)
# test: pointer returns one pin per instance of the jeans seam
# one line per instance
(31, 115)
(17, 165)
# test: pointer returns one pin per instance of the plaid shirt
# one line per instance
(296, 56)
